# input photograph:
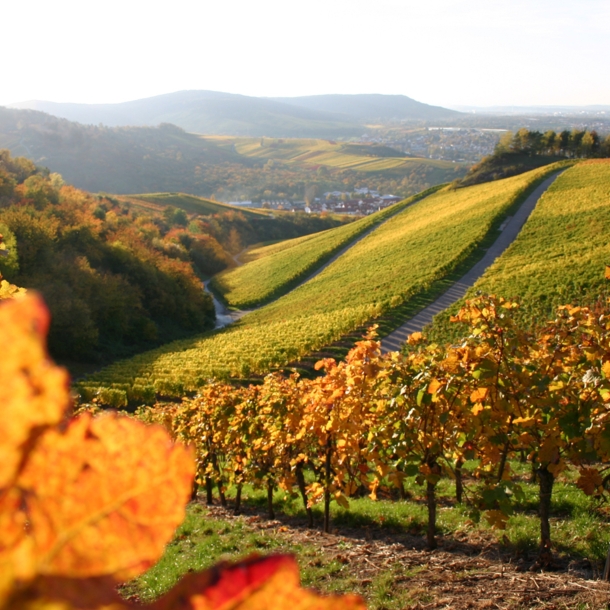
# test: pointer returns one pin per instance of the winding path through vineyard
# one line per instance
(509, 231)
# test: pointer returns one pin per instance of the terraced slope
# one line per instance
(260, 251)
(189, 203)
(394, 263)
(282, 266)
(308, 153)
(559, 256)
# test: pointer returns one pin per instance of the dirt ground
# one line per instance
(473, 571)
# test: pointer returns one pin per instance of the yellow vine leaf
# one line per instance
(104, 496)
(10, 291)
(496, 519)
(589, 481)
(415, 338)
(33, 391)
(524, 421)
(479, 394)
(433, 386)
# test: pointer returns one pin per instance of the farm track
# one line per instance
(467, 571)
(509, 232)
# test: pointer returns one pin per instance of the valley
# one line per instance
(296, 410)
(305, 306)
(421, 245)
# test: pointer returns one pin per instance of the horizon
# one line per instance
(445, 53)
(459, 107)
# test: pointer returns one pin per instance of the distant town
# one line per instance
(461, 145)
(360, 202)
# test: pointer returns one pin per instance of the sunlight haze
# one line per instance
(444, 52)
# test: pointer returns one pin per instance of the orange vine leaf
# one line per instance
(104, 497)
(33, 391)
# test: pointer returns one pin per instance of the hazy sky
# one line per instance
(445, 52)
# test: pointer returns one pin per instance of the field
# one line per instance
(560, 254)
(280, 267)
(392, 265)
(311, 153)
(189, 203)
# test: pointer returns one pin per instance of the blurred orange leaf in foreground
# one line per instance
(88, 502)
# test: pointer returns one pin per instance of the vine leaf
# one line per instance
(104, 497)
(33, 392)
(254, 584)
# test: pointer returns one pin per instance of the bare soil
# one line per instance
(467, 571)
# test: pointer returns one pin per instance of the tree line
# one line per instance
(578, 143)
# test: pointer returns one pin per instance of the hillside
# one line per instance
(214, 112)
(524, 150)
(280, 267)
(207, 112)
(166, 159)
(560, 255)
(119, 160)
(188, 203)
(109, 282)
(372, 108)
(422, 244)
(361, 165)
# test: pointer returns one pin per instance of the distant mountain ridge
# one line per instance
(369, 107)
(217, 113)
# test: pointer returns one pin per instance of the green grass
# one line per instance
(191, 204)
(579, 529)
(395, 263)
(280, 267)
(559, 256)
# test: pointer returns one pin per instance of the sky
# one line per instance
(442, 52)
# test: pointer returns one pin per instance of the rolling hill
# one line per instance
(418, 246)
(189, 203)
(372, 108)
(121, 159)
(280, 267)
(560, 255)
(167, 159)
(213, 112)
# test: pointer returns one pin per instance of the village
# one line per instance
(360, 202)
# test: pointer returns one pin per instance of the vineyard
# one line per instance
(91, 502)
(393, 264)
(279, 267)
(305, 152)
(465, 412)
(188, 203)
(442, 441)
(556, 257)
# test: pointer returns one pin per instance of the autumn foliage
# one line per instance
(88, 502)
(375, 420)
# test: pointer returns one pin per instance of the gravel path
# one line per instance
(353, 243)
(509, 231)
